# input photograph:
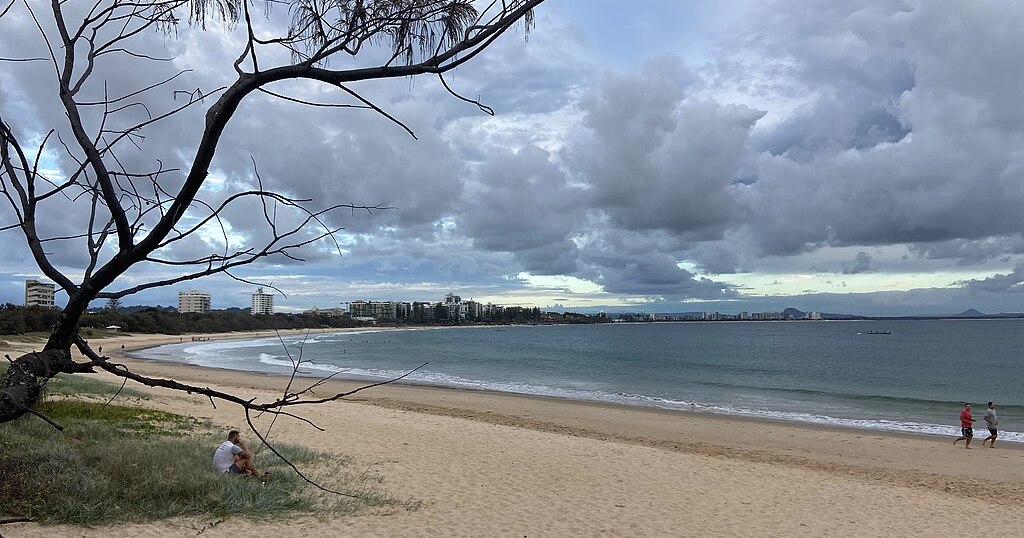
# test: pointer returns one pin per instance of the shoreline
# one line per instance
(832, 423)
(553, 399)
(500, 464)
(475, 395)
(143, 342)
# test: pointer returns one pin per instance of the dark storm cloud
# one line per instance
(655, 161)
(644, 166)
(535, 78)
(352, 157)
(846, 58)
(525, 206)
(843, 171)
(642, 263)
(715, 257)
(861, 264)
(1012, 282)
(967, 252)
(658, 275)
(828, 126)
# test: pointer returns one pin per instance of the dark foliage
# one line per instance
(16, 319)
(19, 319)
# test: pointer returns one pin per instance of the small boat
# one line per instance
(878, 332)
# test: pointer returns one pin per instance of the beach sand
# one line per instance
(490, 464)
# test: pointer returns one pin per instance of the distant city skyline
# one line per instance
(673, 156)
(242, 297)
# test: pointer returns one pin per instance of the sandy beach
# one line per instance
(491, 464)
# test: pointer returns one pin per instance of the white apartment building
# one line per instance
(373, 309)
(457, 309)
(333, 312)
(39, 293)
(193, 301)
(262, 303)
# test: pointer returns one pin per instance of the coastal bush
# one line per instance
(115, 464)
(26, 320)
(16, 319)
(159, 320)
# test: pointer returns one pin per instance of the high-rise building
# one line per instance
(39, 293)
(262, 303)
(373, 309)
(193, 301)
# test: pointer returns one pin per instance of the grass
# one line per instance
(40, 337)
(116, 464)
(37, 337)
(84, 385)
(29, 337)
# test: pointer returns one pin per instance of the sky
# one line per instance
(650, 156)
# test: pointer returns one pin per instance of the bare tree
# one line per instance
(137, 210)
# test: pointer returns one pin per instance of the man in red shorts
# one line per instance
(966, 426)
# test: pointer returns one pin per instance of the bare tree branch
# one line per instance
(483, 108)
(103, 158)
(377, 109)
(312, 103)
(45, 418)
(8, 8)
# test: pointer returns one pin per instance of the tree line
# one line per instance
(16, 319)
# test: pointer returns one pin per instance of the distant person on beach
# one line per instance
(992, 422)
(232, 456)
(966, 426)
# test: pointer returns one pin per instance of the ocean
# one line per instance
(914, 379)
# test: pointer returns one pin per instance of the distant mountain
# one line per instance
(794, 313)
(970, 313)
(833, 316)
(236, 309)
(136, 309)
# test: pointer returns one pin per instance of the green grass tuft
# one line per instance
(117, 464)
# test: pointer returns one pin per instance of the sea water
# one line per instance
(914, 379)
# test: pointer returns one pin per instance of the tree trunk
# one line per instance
(28, 374)
(26, 378)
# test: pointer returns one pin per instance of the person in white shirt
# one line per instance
(232, 456)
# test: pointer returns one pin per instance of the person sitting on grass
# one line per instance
(232, 456)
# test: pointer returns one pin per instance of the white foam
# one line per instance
(304, 365)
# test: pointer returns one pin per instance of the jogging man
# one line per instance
(966, 426)
(992, 422)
